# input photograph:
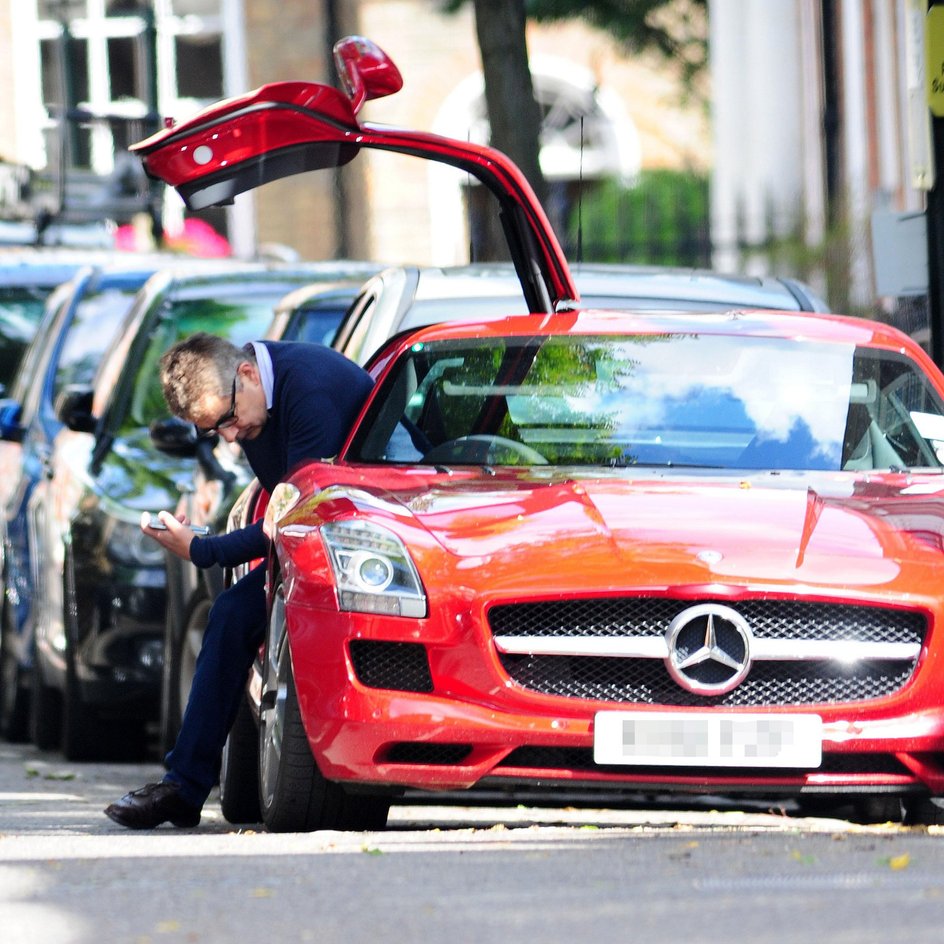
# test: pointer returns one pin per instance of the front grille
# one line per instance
(646, 681)
(402, 666)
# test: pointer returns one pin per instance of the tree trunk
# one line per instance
(513, 114)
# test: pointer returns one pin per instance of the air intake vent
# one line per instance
(402, 666)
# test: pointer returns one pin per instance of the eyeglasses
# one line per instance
(228, 419)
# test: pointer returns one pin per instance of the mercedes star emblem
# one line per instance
(709, 649)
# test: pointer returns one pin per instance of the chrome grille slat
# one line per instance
(772, 650)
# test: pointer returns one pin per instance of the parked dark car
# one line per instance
(80, 319)
(99, 581)
(311, 313)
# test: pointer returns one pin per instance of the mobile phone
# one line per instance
(152, 521)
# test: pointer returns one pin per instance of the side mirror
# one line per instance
(74, 408)
(174, 436)
(365, 70)
(10, 428)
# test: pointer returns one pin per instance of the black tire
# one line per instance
(365, 813)
(923, 811)
(293, 795)
(83, 735)
(86, 734)
(81, 730)
(45, 712)
(180, 657)
(877, 809)
(239, 775)
(14, 687)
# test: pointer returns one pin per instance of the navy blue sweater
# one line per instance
(316, 396)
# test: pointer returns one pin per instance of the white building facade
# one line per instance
(820, 121)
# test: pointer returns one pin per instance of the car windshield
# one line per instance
(692, 400)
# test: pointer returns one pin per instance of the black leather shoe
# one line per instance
(152, 805)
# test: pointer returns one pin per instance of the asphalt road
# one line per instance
(448, 873)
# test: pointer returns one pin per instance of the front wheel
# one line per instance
(293, 794)
(45, 721)
(86, 734)
(14, 692)
(239, 775)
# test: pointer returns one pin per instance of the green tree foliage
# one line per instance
(661, 220)
(675, 29)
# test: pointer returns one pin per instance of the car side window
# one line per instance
(239, 313)
(20, 312)
(94, 323)
(355, 330)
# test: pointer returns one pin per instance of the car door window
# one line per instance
(96, 319)
(351, 335)
(238, 313)
(21, 310)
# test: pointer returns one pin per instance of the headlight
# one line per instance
(128, 544)
(373, 570)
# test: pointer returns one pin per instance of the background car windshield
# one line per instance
(728, 402)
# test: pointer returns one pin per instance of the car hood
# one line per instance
(834, 531)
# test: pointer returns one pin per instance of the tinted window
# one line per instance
(94, 323)
(238, 312)
(21, 310)
(317, 325)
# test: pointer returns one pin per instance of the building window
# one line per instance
(199, 67)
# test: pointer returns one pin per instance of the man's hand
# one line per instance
(177, 536)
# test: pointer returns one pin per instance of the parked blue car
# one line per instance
(81, 317)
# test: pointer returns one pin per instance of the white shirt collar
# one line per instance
(266, 374)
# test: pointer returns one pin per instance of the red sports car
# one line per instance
(639, 551)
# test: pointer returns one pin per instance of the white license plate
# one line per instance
(707, 740)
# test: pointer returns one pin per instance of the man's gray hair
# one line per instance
(199, 366)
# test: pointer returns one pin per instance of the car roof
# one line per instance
(403, 297)
(681, 285)
(842, 329)
(195, 272)
(48, 267)
(600, 282)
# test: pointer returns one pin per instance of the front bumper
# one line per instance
(467, 723)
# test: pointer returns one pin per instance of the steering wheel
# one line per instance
(483, 450)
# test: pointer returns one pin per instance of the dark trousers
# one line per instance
(235, 630)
